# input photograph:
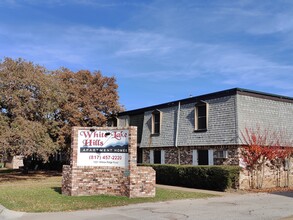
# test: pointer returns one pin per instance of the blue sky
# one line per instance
(158, 50)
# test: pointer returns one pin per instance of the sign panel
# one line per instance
(103, 148)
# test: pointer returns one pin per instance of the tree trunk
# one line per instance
(26, 165)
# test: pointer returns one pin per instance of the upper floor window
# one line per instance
(156, 122)
(201, 116)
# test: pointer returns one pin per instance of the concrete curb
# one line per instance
(8, 214)
(219, 193)
(287, 218)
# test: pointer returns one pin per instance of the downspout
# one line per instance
(177, 131)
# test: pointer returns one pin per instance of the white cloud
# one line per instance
(270, 24)
(215, 43)
(241, 68)
(163, 57)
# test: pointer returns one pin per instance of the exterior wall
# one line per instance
(14, 162)
(123, 121)
(221, 130)
(167, 131)
(275, 116)
(137, 120)
(265, 113)
(171, 154)
(272, 177)
(131, 181)
(221, 124)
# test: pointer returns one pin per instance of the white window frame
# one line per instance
(211, 157)
(194, 158)
(151, 156)
(162, 156)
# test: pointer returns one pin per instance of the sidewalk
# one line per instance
(9, 214)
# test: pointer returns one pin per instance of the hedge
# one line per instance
(218, 178)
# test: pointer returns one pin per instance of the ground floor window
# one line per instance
(221, 154)
(203, 157)
(157, 156)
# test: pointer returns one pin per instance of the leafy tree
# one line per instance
(91, 99)
(29, 96)
(4, 131)
(39, 107)
(29, 138)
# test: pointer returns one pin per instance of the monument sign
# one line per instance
(103, 148)
(103, 161)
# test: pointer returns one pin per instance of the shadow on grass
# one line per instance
(17, 175)
(57, 189)
(5, 171)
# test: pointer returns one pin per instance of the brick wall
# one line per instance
(272, 177)
(171, 154)
(131, 181)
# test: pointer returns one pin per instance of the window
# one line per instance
(156, 122)
(203, 157)
(157, 156)
(201, 116)
(221, 154)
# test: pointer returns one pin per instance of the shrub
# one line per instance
(41, 165)
(202, 177)
(167, 174)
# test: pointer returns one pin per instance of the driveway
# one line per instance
(231, 206)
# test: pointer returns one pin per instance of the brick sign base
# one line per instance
(131, 181)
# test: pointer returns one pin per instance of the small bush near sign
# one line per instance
(202, 177)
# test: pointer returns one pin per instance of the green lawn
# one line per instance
(42, 193)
